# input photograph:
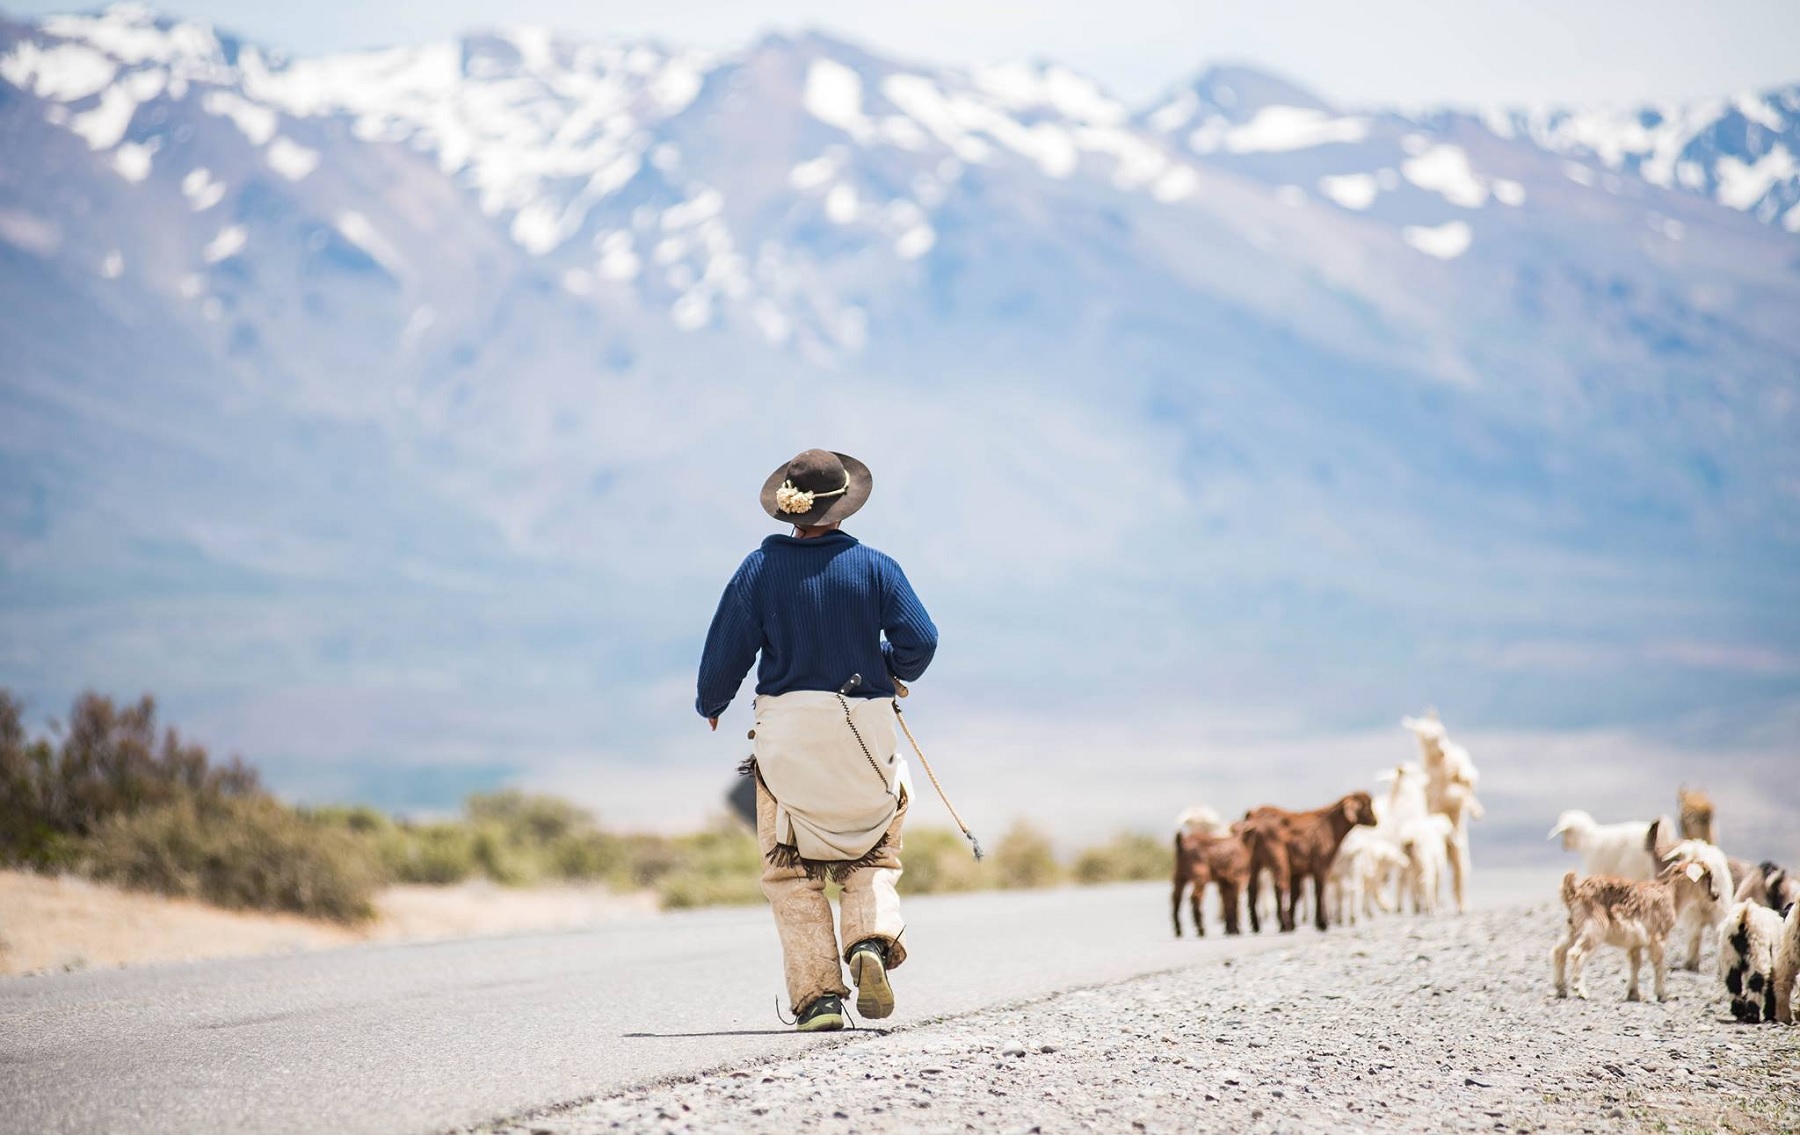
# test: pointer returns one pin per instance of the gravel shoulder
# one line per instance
(1424, 1025)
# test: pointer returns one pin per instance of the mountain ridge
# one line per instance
(351, 376)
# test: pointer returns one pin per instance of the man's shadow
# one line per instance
(743, 1032)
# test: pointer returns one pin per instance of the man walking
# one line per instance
(835, 622)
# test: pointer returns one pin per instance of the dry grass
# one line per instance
(62, 923)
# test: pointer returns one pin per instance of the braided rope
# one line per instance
(942, 795)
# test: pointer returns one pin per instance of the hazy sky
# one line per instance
(1523, 51)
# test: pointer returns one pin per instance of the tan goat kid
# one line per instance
(1634, 916)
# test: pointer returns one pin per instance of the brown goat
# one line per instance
(1201, 859)
(1296, 846)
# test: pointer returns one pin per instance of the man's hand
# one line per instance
(714, 722)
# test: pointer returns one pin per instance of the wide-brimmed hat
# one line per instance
(816, 487)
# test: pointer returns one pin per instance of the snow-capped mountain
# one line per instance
(1743, 152)
(420, 370)
(1739, 151)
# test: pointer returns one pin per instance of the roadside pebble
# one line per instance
(1403, 1025)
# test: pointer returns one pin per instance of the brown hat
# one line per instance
(816, 487)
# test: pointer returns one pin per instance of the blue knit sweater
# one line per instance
(817, 610)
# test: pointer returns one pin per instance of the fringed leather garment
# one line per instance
(832, 765)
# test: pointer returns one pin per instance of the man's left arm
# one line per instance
(912, 638)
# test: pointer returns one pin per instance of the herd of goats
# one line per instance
(1641, 883)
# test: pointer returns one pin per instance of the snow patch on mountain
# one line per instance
(1278, 129)
(1445, 242)
(1023, 87)
(1741, 184)
(360, 231)
(104, 126)
(258, 123)
(132, 33)
(834, 96)
(290, 159)
(132, 160)
(66, 72)
(230, 241)
(202, 190)
(30, 233)
(1737, 151)
(1444, 169)
(1351, 190)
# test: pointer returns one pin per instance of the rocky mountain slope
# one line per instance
(408, 383)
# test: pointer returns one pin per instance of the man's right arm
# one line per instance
(731, 645)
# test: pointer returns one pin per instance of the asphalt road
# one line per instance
(426, 1037)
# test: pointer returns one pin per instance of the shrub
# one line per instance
(528, 820)
(938, 860)
(718, 866)
(109, 763)
(249, 853)
(646, 859)
(29, 834)
(1127, 857)
(1024, 858)
(429, 853)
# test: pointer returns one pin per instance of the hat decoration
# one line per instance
(790, 499)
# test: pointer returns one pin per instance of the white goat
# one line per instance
(1622, 850)
(1425, 844)
(1450, 779)
(1364, 861)
(1402, 806)
(1704, 911)
(1201, 820)
(1747, 950)
(1787, 966)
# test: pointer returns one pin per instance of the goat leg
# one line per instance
(1459, 867)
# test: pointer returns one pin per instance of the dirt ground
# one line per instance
(65, 923)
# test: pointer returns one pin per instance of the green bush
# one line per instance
(1129, 856)
(1024, 858)
(586, 856)
(109, 763)
(438, 853)
(527, 820)
(646, 859)
(937, 860)
(249, 853)
(718, 866)
(147, 810)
